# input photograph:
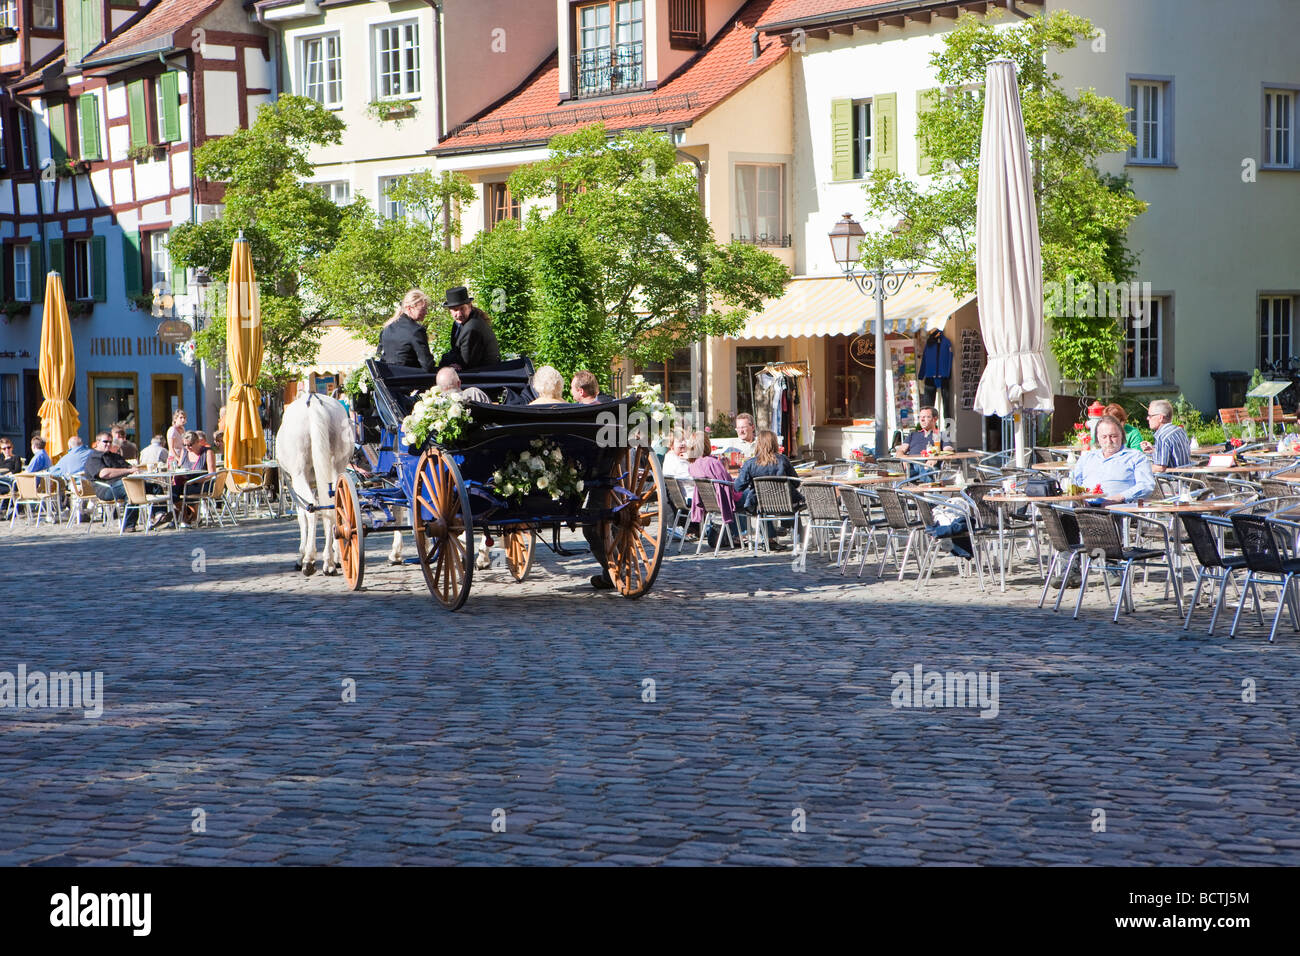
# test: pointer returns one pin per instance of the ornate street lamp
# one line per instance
(879, 283)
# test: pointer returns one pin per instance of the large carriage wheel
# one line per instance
(519, 552)
(351, 537)
(444, 528)
(634, 537)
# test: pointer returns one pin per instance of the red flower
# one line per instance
(1235, 442)
(1097, 490)
(1080, 426)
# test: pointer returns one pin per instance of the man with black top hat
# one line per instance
(473, 343)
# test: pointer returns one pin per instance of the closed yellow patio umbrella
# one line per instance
(244, 441)
(58, 371)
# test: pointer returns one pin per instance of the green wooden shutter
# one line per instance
(92, 25)
(884, 106)
(98, 269)
(179, 284)
(169, 93)
(88, 110)
(131, 261)
(72, 29)
(56, 259)
(58, 133)
(137, 111)
(36, 266)
(841, 139)
(926, 100)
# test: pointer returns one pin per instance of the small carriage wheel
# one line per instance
(634, 537)
(347, 529)
(444, 528)
(519, 552)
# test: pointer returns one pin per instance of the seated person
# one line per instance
(404, 340)
(9, 464)
(40, 460)
(1124, 474)
(1132, 437)
(121, 444)
(73, 461)
(1172, 447)
(449, 384)
(197, 456)
(704, 467)
(549, 386)
(767, 462)
(156, 453)
(926, 435)
(586, 389)
(675, 463)
(745, 442)
(108, 468)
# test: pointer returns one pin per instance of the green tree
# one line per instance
(288, 223)
(569, 329)
(637, 249)
(378, 259)
(501, 280)
(1083, 214)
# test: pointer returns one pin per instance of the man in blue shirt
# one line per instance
(1124, 474)
(40, 461)
(926, 435)
(74, 461)
(1172, 448)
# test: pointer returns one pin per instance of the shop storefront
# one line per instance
(828, 325)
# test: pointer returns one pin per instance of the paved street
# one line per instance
(223, 713)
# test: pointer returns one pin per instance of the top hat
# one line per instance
(458, 295)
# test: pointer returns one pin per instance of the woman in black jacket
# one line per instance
(767, 462)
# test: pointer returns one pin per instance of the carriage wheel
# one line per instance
(634, 537)
(348, 531)
(444, 528)
(519, 552)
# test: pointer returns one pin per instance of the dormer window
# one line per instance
(611, 47)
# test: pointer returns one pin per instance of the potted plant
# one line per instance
(72, 167)
(147, 152)
(12, 309)
(394, 110)
(79, 307)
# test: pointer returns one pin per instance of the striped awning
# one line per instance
(835, 306)
(340, 352)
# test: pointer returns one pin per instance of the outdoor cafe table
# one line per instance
(1174, 508)
(1015, 498)
(1218, 469)
(1052, 466)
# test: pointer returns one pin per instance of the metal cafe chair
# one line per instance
(1099, 530)
(1266, 562)
(708, 494)
(775, 498)
(681, 517)
(35, 491)
(1063, 536)
(141, 500)
(862, 527)
(1212, 564)
(901, 527)
(84, 505)
(822, 516)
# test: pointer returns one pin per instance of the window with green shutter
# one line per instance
(841, 139)
(98, 269)
(885, 148)
(137, 113)
(169, 107)
(37, 267)
(56, 257)
(131, 261)
(88, 113)
(57, 117)
(926, 100)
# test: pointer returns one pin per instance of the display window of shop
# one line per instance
(113, 399)
(673, 377)
(851, 379)
(749, 359)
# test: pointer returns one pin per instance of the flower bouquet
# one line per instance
(1082, 437)
(650, 400)
(436, 416)
(540, 469)
(358, 382)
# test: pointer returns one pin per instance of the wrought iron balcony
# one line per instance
(763, 240)
(608, 70)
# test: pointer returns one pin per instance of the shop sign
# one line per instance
(863, 350)
(174, 331)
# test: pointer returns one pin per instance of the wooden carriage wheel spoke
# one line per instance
(440, 492)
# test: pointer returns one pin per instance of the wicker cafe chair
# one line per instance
(1276, 488)
(1212, 564)
(1002, 523)
(823, 515)
(1063, 536)
(681, 516)
(965, 507)
(35, 491)
(143, 501)
(776, 505)
(707, 493)
(1099, 530)
(84, 505)
(247, 488)
(863, 528)
(901, 527)
(1266, 562)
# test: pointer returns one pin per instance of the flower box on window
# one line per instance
(386, 110)
(72, 167)
(147, 152)
(78, 308)
(14, 309)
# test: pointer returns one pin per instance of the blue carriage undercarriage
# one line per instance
(451, 494)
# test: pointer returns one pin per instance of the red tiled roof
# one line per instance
(533, 113)
(159, 21)
(804, 9)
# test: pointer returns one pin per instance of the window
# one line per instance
(396, 208)
(1279, 129)
(339, 193)
(499, 204)
(22, 151)
(322, 69)
(9, 404)
(861, 138)
(9, 14)
(850, 372)
(760, 206)
(1275, 313)
(611, 47)
(686, 23)
(1143, 363)
(397, 59)
(1149, 121)
(158, 261)
(80, 268)
(44, 15)
(673, 377)
(22, 273)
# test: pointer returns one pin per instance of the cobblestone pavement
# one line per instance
(223, 713)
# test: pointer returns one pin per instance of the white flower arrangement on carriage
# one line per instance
(436, 416)
(650, 401)
(538, 470)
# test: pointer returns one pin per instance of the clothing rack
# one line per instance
(797, 369)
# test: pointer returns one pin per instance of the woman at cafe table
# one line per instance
(1123, 474)
(196, 455)
(767, 462)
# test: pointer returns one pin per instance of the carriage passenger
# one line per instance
(549, 386)
(449, 384)
(404, 340)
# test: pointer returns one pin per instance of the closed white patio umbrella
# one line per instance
(1009, 262)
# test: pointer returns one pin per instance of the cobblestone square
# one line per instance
(225, 736)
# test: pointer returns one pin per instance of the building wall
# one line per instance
(490, 47)
(1212, 240)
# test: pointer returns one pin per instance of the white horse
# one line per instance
(314, 446)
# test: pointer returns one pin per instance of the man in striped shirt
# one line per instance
(1172, 449)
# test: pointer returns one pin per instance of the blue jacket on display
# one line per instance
(936, 360)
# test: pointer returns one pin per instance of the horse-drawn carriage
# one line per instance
(462, 490)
